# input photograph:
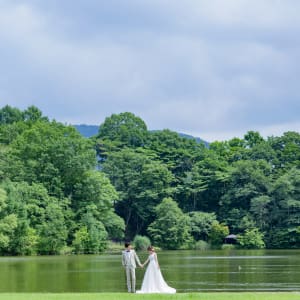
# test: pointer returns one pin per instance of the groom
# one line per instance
(129, 258)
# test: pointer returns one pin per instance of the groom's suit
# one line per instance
(129, 258)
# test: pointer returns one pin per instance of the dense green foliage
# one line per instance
(141, 243)
(248, 187)
(61, 192)
(170, 230)
(51, 196)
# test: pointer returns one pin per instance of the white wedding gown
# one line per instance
(153, 281)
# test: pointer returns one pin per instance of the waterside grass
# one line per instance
(126, 296)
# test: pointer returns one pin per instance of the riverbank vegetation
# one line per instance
(63, 193)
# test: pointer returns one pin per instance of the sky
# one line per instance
(214, 69)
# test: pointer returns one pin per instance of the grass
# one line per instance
(125, 296)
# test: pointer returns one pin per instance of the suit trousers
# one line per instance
(130, 275)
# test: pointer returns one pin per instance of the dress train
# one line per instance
(153, 281)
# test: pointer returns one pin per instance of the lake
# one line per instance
(187, 271)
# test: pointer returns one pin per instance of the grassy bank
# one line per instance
(123, 296)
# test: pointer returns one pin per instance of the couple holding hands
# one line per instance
(153, 281)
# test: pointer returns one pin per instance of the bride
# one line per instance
(153, 281)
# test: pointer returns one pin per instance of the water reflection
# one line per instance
(187, 271)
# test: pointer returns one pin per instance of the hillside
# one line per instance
(90, 130)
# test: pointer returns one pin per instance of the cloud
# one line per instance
(208, 68)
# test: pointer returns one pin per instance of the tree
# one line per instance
(37, 217)
(54, 193)
(251, 239)
(201, 224)
(33, 114)
(141, 183)
(190, 190)
(91, 237)
(53, 231)
(9, 115)
(171, 228)
(287, 149)
(9, 132)
(252, 138)
(260, 209)
(25, 239)
(229, 151)
(217, 233)
(52, 154)
(8, 223)
(210, 177)
(114, 225)
(284, 210)
(81, 240)
(141, 242)
(94, 188)
(248, 180)
(95, 193)
(124, 129)
(177, 153)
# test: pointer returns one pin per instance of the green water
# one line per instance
(187, 271)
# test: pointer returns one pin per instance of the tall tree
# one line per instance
(124, 129)
(52, 154)
(171, 228)
(287, 148)
(249, 179)
(9, 115)
(201, 224)
(284, 217)
(96, 195)
(141, 182)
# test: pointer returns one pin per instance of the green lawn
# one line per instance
(125, 296)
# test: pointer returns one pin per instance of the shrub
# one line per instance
(171, 228)
(141, 242)
(228, 247)
(202, 245)
(218, 233)
(251, 239)
(66, 250)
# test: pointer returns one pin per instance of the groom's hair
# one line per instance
(127, 244)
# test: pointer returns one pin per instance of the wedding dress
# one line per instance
(153, 281)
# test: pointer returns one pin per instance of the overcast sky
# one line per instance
(211, 68)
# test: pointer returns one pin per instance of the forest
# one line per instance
(63, 193)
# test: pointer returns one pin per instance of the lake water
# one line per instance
(187, 271)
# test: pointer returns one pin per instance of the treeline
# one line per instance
(52, 198)
(60, 192)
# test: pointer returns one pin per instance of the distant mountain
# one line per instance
(91, 130)
(197, 139)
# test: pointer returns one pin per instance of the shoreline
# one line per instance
(180, 296)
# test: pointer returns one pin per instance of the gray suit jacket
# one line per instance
(129, 259)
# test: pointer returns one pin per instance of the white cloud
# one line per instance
(279, 129)
(214, 68)
(265, 131)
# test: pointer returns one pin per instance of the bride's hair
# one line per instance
(150, 248)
